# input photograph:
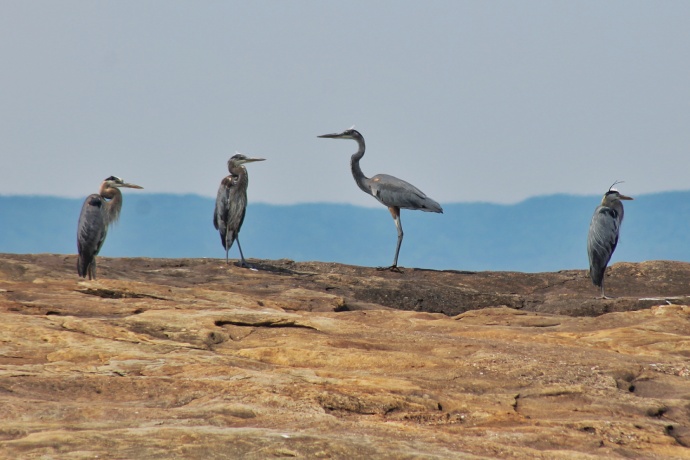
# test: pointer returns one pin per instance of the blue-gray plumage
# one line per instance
(97, 213)
(392, 192)
(231, 204)
(604, 230)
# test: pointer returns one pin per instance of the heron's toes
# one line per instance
(392, 268)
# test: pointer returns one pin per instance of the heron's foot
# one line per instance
(392, 268)
(605, 297)
(244, 264)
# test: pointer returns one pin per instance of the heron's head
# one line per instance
(239, 159)
(351, 133)
(117, 182)
(613, 196)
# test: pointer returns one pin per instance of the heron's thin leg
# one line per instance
(395, 212)
(398, 225)
(227, 248)
(243, 263)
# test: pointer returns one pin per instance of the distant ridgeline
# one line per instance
(546, 233)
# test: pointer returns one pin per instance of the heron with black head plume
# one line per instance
(604, 230)
(394, 193)
(97, 213)
(231, 204)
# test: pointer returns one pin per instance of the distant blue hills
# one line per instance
(546, 233)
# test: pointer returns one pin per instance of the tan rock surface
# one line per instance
(194, 359)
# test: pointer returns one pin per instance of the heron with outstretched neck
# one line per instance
(394, 193)
(604, 230)
(97, 213)
(231, 204)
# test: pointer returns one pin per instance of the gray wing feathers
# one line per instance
(392, 191)
(602, 241)
(91, 232)
(220, 215)
(231, 205)
(221, 211)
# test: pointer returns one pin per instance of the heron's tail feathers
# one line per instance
(227, 238)
(83, 263)
(597, 275)
(431, 206)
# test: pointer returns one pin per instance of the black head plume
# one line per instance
(613, 190)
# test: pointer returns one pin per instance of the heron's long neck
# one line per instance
(113, 205)
(240, 172)
(360, 178)
(618, 207)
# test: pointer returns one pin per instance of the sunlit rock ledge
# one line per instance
(192, 358)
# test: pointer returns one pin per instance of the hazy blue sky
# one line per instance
(468, 100)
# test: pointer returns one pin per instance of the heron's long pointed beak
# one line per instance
(330, 136)
(623, 197)
(252, 160)
(124, 184)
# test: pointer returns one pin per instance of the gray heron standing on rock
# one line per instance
(231, 204)
(604, 230)
(98, 212)
(394, 193)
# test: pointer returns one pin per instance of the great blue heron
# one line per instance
(231, 203)
(603, 235)
(392, 192)
(98, 212)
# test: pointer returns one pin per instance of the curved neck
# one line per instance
(360, 178)
(239, 174)
(618, 207)
(113, 205)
